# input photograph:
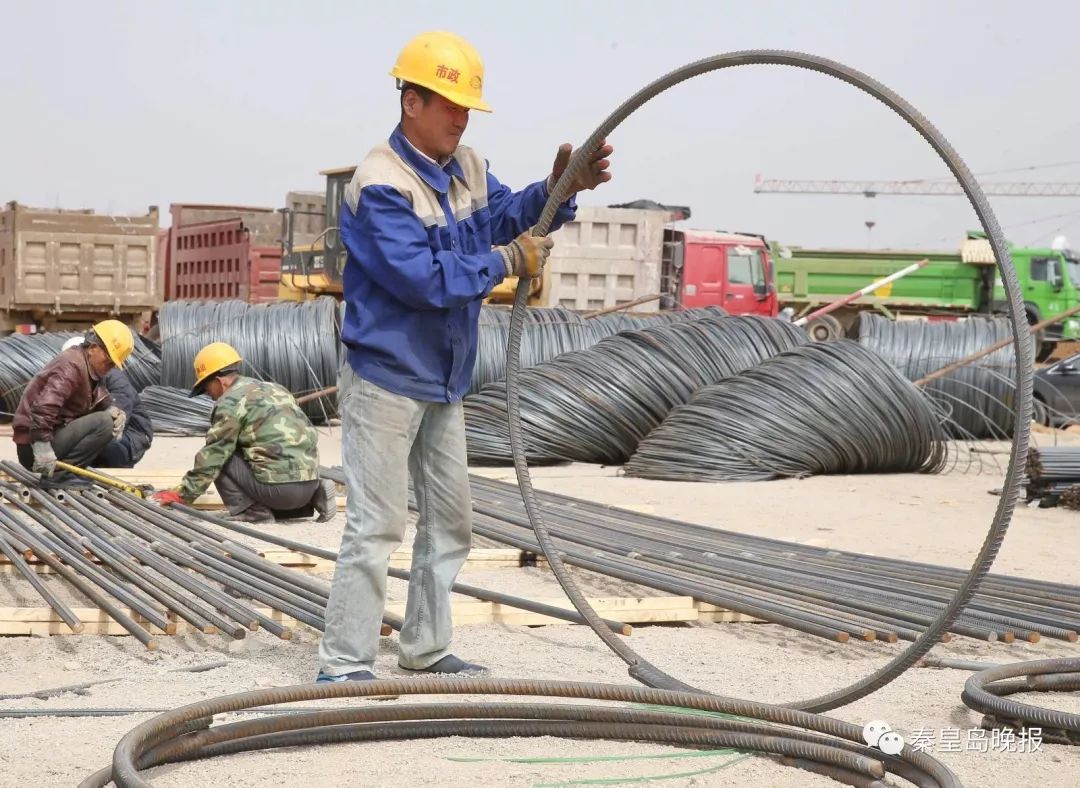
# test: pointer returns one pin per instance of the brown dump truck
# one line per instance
(64, 269)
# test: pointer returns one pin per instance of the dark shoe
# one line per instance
(63, 480)
(356, 675)
(325, 500)
(254, 514)
(451, 665)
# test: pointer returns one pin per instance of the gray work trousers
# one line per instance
(385, 439)
(78, 442)
(240, 490)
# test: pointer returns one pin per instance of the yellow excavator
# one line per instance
(314, 269)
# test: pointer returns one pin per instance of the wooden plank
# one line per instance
(721, 615)
(479, 558)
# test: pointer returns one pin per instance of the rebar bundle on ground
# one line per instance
(984, 692)
(24, 355)
(595, 405)
(1053, 476)
(294, 344)
(173, 412)
(831, 407)
(975, 400)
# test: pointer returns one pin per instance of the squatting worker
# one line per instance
(419, 222)
(66, 412)
(261, 451)
(125, 450)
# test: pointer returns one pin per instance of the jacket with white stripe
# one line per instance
(419, 261)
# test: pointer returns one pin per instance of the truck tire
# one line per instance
(825, 329)
(1043, 349)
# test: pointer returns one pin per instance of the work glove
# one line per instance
(119, 421)
(167, 497)
(590, 177)
(44, 458)
(525, 255)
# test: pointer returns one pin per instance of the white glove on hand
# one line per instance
(119, 421)
(44, 458)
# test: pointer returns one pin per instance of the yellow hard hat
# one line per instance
(213, 358)
(117, 340)
(445, 63)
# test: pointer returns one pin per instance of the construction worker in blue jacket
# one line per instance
(428, 232)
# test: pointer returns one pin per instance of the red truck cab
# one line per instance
(716, 268)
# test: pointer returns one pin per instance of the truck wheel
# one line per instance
(1043, 350)
(825, 329)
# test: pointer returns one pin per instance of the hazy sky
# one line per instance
(119, 105)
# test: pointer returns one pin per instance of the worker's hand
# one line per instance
(590, 177)
(167, 497)
(119, 421)
(525, 255)
(44, 458)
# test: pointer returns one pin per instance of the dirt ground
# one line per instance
(940, 519)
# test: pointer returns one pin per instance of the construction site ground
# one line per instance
(940, 519)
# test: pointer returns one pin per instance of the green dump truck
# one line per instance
(951, 285)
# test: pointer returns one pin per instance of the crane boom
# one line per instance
(919, 188)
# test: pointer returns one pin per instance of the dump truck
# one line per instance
(65, 269)
(952, 285)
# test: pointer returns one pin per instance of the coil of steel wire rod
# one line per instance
(616, 322)
(173, 412)
(831, 407)
(24, 355)
(595, 405)
(975, 400)
(834, 747)
(638, 667)
(294, 344)
(984, 692)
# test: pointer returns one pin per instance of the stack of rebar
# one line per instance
(1053, 476)
(829, 593)
(147, 565)
(596, 405)
(173, 412)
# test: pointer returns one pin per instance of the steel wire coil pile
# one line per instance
(976, 399)
(828, 593)
(293, 344)
(596, 405)
(831, 407)
(617, 322)
(548, 333)
(173, 412)
(1053, 476)
(24, 355)
(985, 691)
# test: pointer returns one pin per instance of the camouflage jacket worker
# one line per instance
(263, 422)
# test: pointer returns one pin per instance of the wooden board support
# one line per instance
(479, 558)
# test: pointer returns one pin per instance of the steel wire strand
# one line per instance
(641, 669)
(173, 412)
(918, 348)
(295, 345)
(596, 405)
(824, 741)
(983, 692)
(818, 409)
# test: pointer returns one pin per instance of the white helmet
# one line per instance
(73, 342)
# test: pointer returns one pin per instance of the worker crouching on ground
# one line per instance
(261, 451)
(66, 413)
(419, 222)
(138, 430)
